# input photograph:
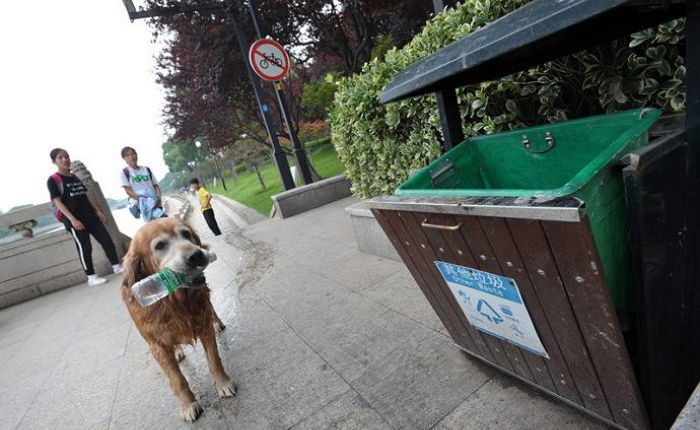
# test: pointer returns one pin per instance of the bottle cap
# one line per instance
(211, 256)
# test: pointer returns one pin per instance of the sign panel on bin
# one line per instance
(493, 305)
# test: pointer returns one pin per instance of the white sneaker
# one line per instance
(117, 269)
(94, 280)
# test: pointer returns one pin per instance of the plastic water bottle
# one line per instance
(157, 286)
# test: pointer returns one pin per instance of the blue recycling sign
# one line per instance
(493, 305)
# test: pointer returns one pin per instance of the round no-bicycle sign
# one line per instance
(269, 59)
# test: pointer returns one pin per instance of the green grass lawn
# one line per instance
(249, 192)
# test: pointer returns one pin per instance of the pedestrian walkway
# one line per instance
(318, 336)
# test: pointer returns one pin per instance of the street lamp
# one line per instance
(198, 144)
(144, 12)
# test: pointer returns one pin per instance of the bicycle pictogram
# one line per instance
(271, 58)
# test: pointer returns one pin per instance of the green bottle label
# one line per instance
(170, 279)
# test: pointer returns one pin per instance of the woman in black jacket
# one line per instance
(79, 216)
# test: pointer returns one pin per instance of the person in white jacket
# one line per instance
(141, 186)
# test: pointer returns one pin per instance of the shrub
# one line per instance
(380, 144)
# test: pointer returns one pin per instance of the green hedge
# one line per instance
(380, 144)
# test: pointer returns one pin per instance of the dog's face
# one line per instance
(165, 243)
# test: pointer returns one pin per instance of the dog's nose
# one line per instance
(195, 258)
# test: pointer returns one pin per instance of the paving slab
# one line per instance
(513, 406)
(421, 381)
(400, 293)
(347, 412)
(68, 401)
(281, 381)
(17, 398)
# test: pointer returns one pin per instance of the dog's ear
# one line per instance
(133, 268)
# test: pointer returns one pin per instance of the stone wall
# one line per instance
(39, 265)
(307, 197)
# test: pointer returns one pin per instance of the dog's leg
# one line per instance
(218, 324)
(189, 408)
(179, 353)
(224, 386)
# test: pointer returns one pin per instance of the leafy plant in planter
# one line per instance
(380, 144)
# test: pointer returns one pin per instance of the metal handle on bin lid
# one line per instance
(548, 137)
(426, 224)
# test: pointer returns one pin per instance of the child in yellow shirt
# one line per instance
(205, 205)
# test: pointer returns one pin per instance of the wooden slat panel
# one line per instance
(577, 260)
(404, 245)
(451, 248)
(436, 249)
(499, 236)
(541, 267)
(476, 245)
(413, 228)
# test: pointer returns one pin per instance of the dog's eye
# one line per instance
(161, 245)
(186, 234)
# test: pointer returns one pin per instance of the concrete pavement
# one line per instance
(318, 336)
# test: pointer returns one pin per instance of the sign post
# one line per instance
(270, 61)
(279, 155)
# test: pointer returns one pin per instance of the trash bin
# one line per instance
(506, 236)
(576, 158)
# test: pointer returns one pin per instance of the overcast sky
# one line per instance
(81, 78)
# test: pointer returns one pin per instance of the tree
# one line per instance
(344, 33)
(182, 156)
(202, 71)
(173, 181)
(318, 96)
(248, 152)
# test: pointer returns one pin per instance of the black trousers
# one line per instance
(211, 221)
(94, 227)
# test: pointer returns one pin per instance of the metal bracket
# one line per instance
(548, 137)
(445, 175)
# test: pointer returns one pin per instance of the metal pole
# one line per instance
(448, 106)
(279, 156)
(299, 153)
(218, 170)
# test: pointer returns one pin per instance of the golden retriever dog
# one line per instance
(184, 316)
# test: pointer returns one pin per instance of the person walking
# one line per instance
(141, 187)
(79, 216)
(205, 205)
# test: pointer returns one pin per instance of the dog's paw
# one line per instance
(190, 412)
(179, 354)
(219, 326)
(226, 389)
